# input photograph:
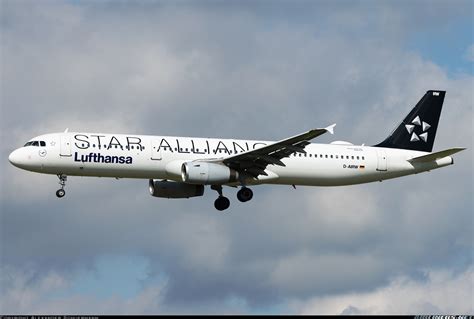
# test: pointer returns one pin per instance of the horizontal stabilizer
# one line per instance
(435, 156)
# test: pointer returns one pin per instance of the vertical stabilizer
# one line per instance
(418, 130)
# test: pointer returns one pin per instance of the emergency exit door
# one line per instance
(381, 160)
(65, 148)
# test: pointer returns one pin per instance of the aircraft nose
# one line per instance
(15, 158)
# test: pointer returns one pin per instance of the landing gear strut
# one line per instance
(222, 202)
(244, 194)
(62, 181)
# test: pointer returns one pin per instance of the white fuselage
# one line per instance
(161, 157)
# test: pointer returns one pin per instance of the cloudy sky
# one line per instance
(244, 69)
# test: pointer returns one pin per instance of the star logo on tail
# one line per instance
(422, 125)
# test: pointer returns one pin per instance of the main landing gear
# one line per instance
(244, 194)
(222, 203)
(62, 181)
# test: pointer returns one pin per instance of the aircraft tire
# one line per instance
(244, 194)
(60, 193)
(222, 203)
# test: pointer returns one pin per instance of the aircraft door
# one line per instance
(381, 160)
(65, 147)
(155, 149)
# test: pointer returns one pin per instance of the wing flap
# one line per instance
(435, 156)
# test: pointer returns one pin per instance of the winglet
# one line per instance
(330, 128)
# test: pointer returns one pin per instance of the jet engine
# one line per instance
(167, 189)
(207, 173)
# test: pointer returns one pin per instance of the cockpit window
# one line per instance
(36, 143)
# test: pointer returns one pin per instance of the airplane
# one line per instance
(181, 167)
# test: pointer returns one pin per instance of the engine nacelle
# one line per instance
(167, 189)
(207, 173)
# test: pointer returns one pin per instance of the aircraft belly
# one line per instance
(325, 175)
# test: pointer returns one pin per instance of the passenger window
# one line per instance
(337, 156)
(326, 155)
(43, 143)
(357, 157)
(347, 156)
(352, 157)
(362, 157)
(331, 156)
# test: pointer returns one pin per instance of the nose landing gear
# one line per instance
(62, 181)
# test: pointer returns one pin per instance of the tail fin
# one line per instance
(418, 129)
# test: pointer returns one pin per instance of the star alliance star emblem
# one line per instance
(411, 127)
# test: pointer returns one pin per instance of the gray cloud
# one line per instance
(244, 70)
(403, 296)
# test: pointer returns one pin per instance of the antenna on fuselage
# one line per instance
(67, 129)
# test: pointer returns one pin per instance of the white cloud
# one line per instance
(442, 292)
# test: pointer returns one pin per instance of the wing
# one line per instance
(254, 162)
